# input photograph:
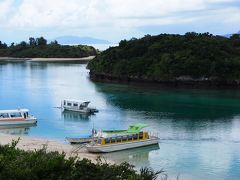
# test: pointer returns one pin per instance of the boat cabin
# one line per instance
(123, 138)
(75, 104)
(18, 114)
(79, 106)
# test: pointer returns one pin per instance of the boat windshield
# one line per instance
(84, 104)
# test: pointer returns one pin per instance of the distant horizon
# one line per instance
(107, 42)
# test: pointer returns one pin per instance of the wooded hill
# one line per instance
(39, 48)
(168, 57)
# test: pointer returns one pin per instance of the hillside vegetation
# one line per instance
(167, 57)
(39, 48)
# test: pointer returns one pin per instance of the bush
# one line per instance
(39, 164)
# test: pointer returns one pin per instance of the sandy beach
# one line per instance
(30, 144)
(61, 59)
(46, 59)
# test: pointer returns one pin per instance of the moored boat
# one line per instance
(81, 139)
(16, 117)
(117, 143)
(77, 106)
(135, 128)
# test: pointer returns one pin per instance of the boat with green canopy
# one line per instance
(134, 128)
(116, 140)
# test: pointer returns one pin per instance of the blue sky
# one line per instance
(114, 20)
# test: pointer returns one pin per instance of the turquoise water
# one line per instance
(199, 129)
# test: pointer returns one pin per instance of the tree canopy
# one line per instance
(40, 164)
(38, 47)
(170, 57)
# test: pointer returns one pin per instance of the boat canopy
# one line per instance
(14, 111)
(135, 128)
(132, 129)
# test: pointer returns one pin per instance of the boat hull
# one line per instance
(121, 146)
(18, 122)
(77, 110)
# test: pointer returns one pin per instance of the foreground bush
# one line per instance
(39, 164)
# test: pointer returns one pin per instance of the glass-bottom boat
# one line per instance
(117, 143)
(16, 117)
(135, 128)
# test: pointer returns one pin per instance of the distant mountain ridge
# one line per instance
(80, 40)
(229, 35)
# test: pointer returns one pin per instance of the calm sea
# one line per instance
(199, 129)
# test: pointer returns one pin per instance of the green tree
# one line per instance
(32, 41)
(3, 45)
(41, 41)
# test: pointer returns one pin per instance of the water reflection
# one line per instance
(133, 156)
(16, 130)
(175, 104)
(71, 116)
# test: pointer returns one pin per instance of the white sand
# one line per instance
(46, 59)
(30, 144)
(62, 59)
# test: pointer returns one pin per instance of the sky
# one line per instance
(114, 20)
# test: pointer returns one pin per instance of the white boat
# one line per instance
(78, 106)
(16, 117)
(128, 141)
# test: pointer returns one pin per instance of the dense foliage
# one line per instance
(39, 48)
(171, 57)
(19, 164)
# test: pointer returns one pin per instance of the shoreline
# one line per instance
(226, 84)
(14, 59)
(33, 143)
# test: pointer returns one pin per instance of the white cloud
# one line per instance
(80, 13)
(5, 7)
(112, 17)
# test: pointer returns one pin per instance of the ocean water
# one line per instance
(199, 129)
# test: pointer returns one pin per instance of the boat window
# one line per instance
(124, 138)
(69, 104)
(17, 114)
(113, 140)
(140, 135)
(4, 115)
(130, 137)
(135, 136)
(119, 139)
(75, 104)
(64, 102)
(99, 141)
(107, 141)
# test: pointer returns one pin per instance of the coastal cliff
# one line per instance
(190, 59)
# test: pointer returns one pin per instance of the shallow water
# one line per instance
(199, 129)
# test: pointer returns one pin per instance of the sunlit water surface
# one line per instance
(199, 129)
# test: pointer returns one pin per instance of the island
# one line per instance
(171, 59)
(39, 48)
